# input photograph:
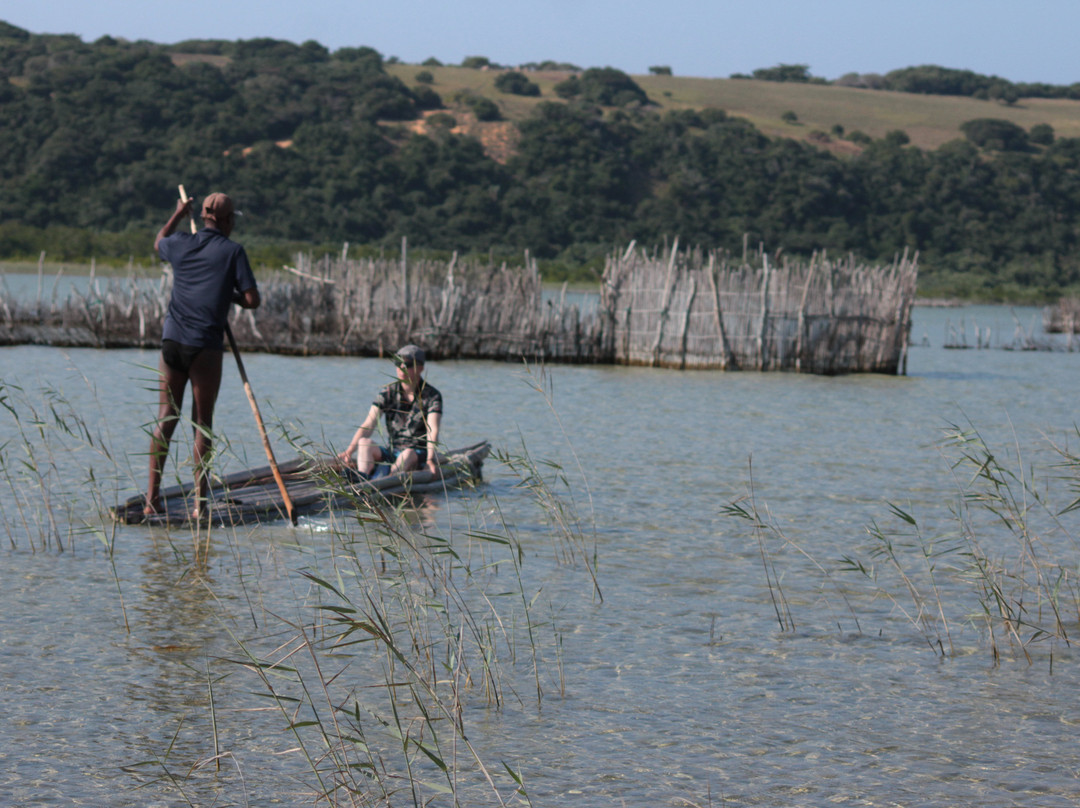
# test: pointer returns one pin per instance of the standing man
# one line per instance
(413, 410)
(210, 273)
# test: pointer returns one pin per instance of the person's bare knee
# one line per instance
(367, 455)
(205, 375)
(406, 461)
(171, 386)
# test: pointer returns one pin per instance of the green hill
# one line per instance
(325, 147)
(929, 120)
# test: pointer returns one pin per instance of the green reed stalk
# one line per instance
(888, 545)
(438, 615)
(760, 527)
(544, 384)
(429, 610)
(1021, 594)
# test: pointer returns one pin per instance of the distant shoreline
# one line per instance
(942, 302)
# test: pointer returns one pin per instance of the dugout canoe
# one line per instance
(315, 484)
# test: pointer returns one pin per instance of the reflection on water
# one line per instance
(679, 687)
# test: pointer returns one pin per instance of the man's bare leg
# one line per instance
(171, 384)
(205, 375)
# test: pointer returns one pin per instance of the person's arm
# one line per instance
(248, 299)
(183, 209)
(434, 419)
(364, 431)
(246, 294)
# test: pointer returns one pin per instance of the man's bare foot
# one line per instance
(152, 507)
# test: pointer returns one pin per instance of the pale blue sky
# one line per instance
(1020, 41)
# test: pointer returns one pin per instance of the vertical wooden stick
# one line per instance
(191, 218)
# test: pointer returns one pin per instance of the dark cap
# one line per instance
(409, 355)
(217, 206)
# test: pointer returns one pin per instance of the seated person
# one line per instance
(413, 411)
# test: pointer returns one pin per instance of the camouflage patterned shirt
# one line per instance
(405, 421)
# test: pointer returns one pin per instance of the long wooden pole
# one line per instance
(289, 508)
(191, 216)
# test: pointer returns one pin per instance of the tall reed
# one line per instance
(54, 456)
(999, 562)
(444, 627)
(402, 634)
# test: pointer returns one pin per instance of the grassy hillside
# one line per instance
(928, 120)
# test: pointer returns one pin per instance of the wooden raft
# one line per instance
(251, 496)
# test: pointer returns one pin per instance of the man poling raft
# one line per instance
(210, 273)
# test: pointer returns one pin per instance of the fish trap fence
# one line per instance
(689, 309)
(705, 310)
(1063, 317)
(455, 309)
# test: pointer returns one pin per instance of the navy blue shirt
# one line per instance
(207, 268)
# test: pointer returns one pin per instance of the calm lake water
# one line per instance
(681, 686)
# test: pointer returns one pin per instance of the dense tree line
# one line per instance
(925, 79)
(937, 80)
(94, 138)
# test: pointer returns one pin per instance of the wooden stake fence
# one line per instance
(818, 317)
(687, 309)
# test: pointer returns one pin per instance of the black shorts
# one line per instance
(391, 455)
(179, 356)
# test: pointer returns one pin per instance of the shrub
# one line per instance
(610, 87)
(424, 77)
(995, 133)
(797, 73)
(1042, 134)
(441, 120)
(426, 98)
(660, 70)
(516, 83)
(897, 137)
(860, 137)
(568, 88)
(431, 61)
(483, 108)
(712, 115)
(1005, 92)
(937, 80)
(789, 117)
(476, 62)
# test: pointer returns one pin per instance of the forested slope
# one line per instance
(320, 147)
